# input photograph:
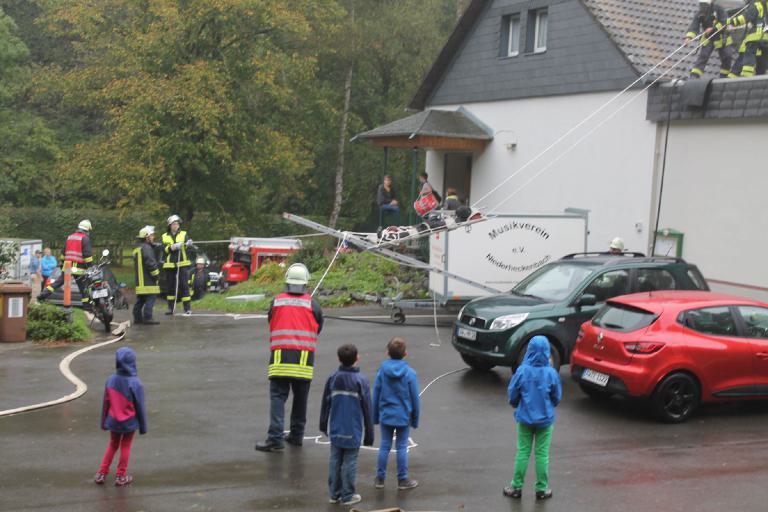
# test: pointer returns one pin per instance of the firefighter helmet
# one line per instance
(173, 218)
(617, 243)
(200, 261)
(297, 274)
(85, 225)
(146, 231)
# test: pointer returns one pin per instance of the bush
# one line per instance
(49, 323)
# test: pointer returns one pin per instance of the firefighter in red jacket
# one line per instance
(78, 251)
(295, 320)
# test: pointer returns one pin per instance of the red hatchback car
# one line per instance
(678, 348)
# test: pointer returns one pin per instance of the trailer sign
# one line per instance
(502, 250)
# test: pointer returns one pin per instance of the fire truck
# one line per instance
(246, 255)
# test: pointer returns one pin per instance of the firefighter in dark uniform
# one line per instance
(754, 47)
(198, 281)
(77, 250)
(710, 18)
(295, 320)
(147, 270)
(176, 265)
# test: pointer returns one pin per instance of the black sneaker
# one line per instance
(169, 312)
(511, 492)
(378, 483)
(295, 441)
(407, 484)
(544, 495)
(268, 446)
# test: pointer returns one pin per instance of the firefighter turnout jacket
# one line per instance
(754, 20)
(146, 270)
(78, 250)
(717, 19)
(295, 320)
(178, 257)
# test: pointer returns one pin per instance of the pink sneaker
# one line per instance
(99, 478)
(122, 481)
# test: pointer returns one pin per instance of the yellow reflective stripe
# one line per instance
(139, 269)
(697, 71)
(691, 35)
(89, 259)
(290, 370)
(155, 272)
(148, 290)
(304, 357)
(278, 356)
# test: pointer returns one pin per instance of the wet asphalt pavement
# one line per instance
(207, 397)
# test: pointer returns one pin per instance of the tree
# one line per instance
(192, 103)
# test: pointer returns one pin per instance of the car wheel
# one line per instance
(554, 358)
(595, 393)
(676, 397)
(477, 364)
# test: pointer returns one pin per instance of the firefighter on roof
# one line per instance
(708, 19)
(754, 47)
(78, 251)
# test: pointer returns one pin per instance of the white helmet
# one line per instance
(297, 274)
(173, 218)
(146, 231)
(85, 225)
(617, 243)
(200, 261)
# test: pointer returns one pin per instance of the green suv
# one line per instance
(555, 300)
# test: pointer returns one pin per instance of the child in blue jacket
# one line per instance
(535, 390)
(347, 404)
(396, 408)
(123, 413)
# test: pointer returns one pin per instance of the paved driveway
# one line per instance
(207, 396)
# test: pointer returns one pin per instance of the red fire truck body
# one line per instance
(246, 255)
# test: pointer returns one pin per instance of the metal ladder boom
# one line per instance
(370, 246)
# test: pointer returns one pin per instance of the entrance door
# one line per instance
(458, 175)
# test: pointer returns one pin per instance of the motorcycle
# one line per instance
(102, 298)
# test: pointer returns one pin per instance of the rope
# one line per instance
(338, 249)
(434, 316)
(596, 127)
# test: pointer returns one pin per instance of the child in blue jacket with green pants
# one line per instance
(534, 391)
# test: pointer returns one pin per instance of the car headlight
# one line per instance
(505, 322)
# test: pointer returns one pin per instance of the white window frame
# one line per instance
(513, 44)
(541, 13)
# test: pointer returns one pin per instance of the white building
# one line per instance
(531, 87)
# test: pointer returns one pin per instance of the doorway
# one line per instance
(458, 175)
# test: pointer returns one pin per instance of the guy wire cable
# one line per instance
(595, 128)
(600, 109)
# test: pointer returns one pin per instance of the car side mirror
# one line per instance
(105, 252)
(586, 300)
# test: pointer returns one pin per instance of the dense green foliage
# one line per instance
(352, 277)
(221, 110)
(49, 323)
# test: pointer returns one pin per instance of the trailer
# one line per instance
(24, 250)
(247, 255)
(502, 251)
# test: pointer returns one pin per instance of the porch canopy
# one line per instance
(432, 129)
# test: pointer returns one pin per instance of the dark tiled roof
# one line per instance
(727, 99)
(435, 123)
(646, 31)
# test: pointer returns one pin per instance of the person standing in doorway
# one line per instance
(295, 320)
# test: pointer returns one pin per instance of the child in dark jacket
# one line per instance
(123, 413)
(535, 390)
(347, 405)
(396, 407)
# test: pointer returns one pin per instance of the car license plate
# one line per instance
(97, 294)
(466, 333)
(601, 379)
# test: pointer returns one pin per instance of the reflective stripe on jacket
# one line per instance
(754, 19)
(178, 257)
(78, 251)
(293, 331)
(145, 270)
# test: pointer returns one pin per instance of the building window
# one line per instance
(513, 45)
(540, 37)
(510, 36)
